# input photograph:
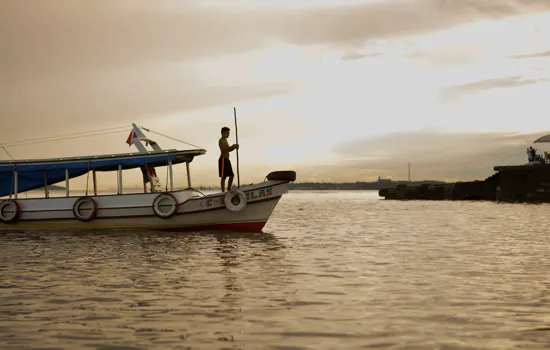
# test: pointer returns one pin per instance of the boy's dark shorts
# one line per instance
(224, 167)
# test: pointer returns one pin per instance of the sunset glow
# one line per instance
(323, 87)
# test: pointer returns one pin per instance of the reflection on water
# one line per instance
(333, 270)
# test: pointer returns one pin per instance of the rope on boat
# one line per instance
(167, 171)
(88, 176)
(168, 137)
(98, 132)
(192, 189)
(5, 150)
(12, 182)
(66, 137)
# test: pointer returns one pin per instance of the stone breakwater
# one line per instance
(522, 183)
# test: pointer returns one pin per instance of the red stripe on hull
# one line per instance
(236, 227)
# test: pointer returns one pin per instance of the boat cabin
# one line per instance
(19, 176)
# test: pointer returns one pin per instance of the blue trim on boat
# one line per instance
(31, 173)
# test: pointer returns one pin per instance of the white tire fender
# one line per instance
(165, 205)
(85, 209)
(235, 201)
(9, 210)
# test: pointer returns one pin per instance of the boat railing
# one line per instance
(91, 179)
(48, 172)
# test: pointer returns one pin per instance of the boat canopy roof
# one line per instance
(545, 138)
(32, 174)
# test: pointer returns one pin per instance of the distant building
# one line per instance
(384, 181)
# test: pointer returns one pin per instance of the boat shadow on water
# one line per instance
(220, 236)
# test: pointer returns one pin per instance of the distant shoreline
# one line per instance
(305, 186)
(378, 185)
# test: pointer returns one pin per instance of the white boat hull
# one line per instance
(135, 211)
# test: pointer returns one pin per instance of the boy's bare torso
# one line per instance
(224, 147)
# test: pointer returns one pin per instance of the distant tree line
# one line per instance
(358, 185)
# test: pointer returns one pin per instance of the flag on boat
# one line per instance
(131, 137)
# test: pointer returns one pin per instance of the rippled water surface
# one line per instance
(339, 270)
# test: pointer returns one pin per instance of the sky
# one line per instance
(338, 90)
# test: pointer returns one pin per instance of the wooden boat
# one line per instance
(246, 208)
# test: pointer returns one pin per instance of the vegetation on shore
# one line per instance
(358, 185)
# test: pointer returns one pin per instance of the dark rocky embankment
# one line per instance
(523, 183)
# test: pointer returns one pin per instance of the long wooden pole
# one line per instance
(237, 138)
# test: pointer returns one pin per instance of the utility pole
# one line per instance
(409, 172)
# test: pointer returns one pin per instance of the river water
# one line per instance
(333, 270)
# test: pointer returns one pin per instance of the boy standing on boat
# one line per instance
(224, 164)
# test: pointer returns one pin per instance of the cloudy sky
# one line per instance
(339, 90)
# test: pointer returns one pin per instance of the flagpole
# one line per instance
(237, 141)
